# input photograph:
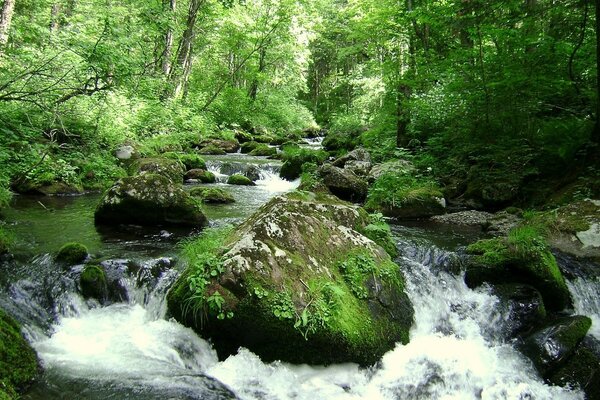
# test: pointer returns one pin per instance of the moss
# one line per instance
(212, 150)
(249, 146)
(212, 195)
(72, 253)
(189, 160)
(18, 361)
(93, 282)
(169, 168)
(263, 150)
(522, 257)
(239, 180)
(294, 158)
(380, 233)
(6, 239)
(201, 175)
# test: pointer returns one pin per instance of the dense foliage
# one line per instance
(503, 92)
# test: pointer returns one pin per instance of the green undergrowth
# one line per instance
(393, 190)
(203, 257)
(6, 238)
(379, 232)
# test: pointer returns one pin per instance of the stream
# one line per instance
(128, 350)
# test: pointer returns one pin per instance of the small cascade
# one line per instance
(312, 143)
(586, 301)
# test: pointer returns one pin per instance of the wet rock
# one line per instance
(471, 218)
(551, 346)
(148, 200)
(212, 150)
(358, 168)
(252, 173)
(249, 146)
(523, 305)
(263, 150)
(301, 284)
(359, 154)
(228, 146)
(581, 370)
(170, 169)
(72, 253)
(93, 283)
(46, 188)
(344, 184)
(200, 175)
(239, 180)
(212, 195)
(125, 152)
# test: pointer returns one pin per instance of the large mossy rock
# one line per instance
(552, 345)
(93, 283)
(18, 361)
(240, 180)
(167, 167)
(72, 253)
(149, 200)
(343, 183)
(519, 258)
(201, 175)
(263, 150)
(297, 282)
(212, 195)
(228, 146)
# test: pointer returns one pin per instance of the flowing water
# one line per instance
(128, 350)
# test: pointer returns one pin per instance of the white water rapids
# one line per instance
(452, 353)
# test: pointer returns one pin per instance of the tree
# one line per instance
(6, 15)
(596, 135)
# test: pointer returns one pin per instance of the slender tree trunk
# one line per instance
(166, 56)
(8, 9)
(262, 54)
(531, 30)
(180, 72)
(55, 18)
(406, 67)
(70, 10)
(596, 134)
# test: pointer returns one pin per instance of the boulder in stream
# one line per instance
(18, 361)
(228, 146)
(296, 282)
(169, 168)
(201, 175)
(212, 195)
(239, 180)
(72, 253)
(343, 183)
(93, 283)
(148, 200)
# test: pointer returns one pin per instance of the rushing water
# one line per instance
(127, 350)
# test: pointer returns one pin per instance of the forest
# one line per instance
(388, 116)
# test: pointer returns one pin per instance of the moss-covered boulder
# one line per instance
(148, 199)
(295, 157)
(201, 175)
(249, 146)
(72, 253)
(228, 146)
(296, 282)
(189, 160)
(551, 346)
(51, 188)
(212, 195)
(344, 184)
(18, 361)
(522, 257)
(263, 150)
(239, 180)
(398, 167)
(212, 150)
(167, 167)
(93, 282)
(398, 195)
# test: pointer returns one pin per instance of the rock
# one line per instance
(212, 150)
(380, 233)
(263, 150)
(358, 168)
(252, 172)
(239, 180)
(148, 199)
(523, 305)
(72, 253)
(228, 146)
(581, 370)
(18, 361)
(470, 218)
(344, 184)
(359, 154)
(335, 142)
(212, 195)
(190, 161)
(294, 158)
(249, 146)
(93, 283)
(47, 188)
(242, 136)
(300, 284)
(125, 152)
(200, 175)
(170, 169)
(529, 261)
(399, 167)
(264, 138)
(552, 345)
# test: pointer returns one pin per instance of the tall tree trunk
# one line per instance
(596, 134)
(531, 29)
(8, 9)
(180, 72)
(166, 56)
(55, 18)
(262, 54)
(406, 67)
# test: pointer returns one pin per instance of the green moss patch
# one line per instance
(522, 257)
(93, 282)
(263, 150)
(239, 180)
(212, 195)
(72, 253)
(18, 361)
